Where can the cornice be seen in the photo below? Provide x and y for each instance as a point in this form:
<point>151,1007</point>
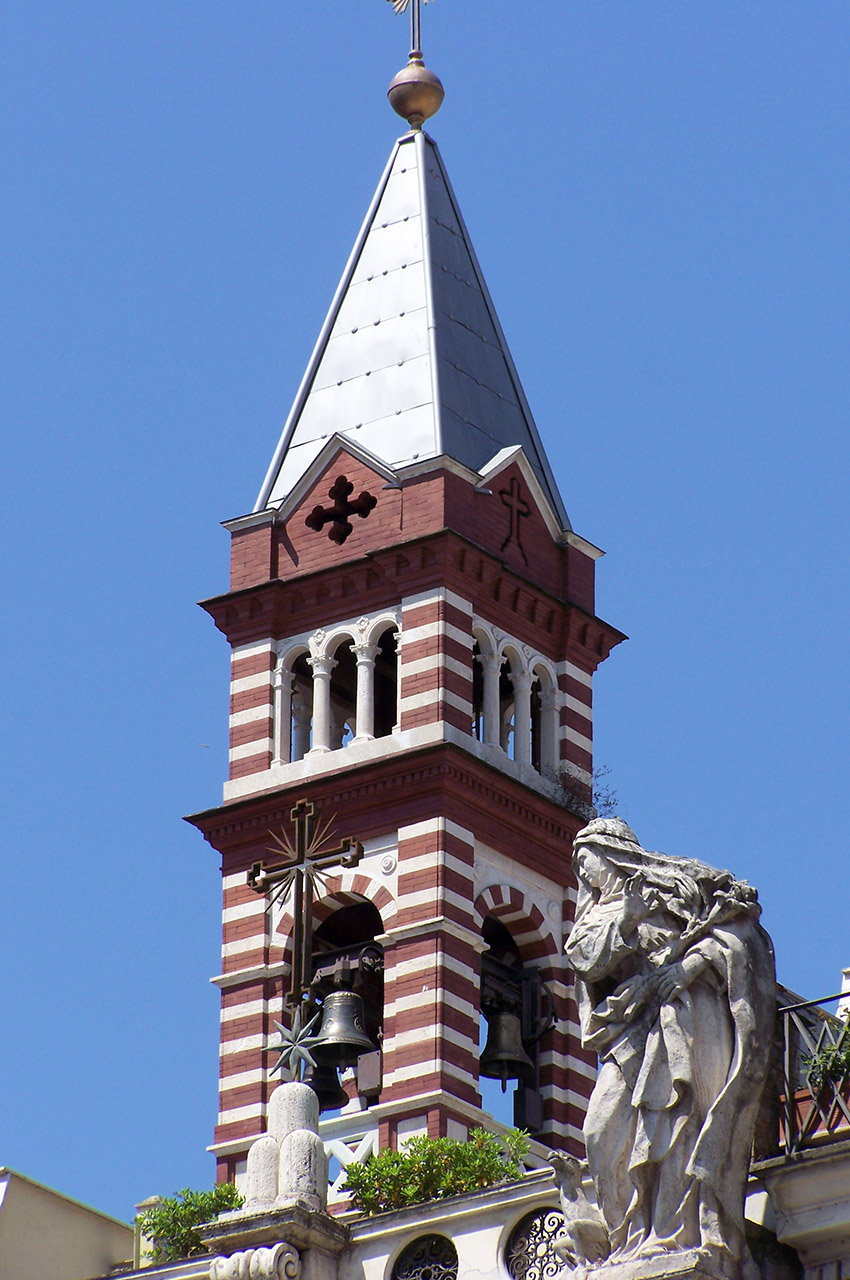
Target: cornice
<point>283,607</point>
<point>435,779</point>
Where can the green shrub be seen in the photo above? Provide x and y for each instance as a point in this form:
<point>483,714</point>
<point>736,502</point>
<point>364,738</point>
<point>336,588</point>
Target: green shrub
<point>432,1168</point>
<point>171,1223</point>
<point>829,1065</point>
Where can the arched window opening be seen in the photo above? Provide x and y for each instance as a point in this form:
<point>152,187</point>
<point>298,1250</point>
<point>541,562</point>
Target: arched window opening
<point>544,723</point>
<point>386,684</point>
<point>518,1011</point>
<point>301,709</point>
<point>346,957</point>
<point>507,737</point>
<point>536,724</point>
<point>343,697</point>
<point>477,693</point>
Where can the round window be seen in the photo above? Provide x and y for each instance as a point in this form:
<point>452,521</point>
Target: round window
<point>428,1258</point>
<point>529,1253</point>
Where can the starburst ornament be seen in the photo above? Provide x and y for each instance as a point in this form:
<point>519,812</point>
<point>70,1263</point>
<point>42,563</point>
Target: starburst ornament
<point>295,1045</point>
<point>401,6</point>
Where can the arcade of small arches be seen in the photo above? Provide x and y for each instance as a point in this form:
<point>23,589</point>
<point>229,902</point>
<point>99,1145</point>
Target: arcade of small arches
<point>515,700</point>
<point>342,686</point>
<point>336,687</point>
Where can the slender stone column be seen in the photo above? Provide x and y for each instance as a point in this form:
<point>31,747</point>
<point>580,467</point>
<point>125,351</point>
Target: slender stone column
<point>322,668</point>
<point>365,708</point>
<point>491,665</point>
<point>397,636</point>
<point>548,728</point>
<point>522,682</point>
<point>301,716</point>
<point>282,690</point>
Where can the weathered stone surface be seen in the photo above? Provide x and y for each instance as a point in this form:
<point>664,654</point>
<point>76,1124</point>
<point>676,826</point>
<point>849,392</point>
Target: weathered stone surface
<point>263,1161</point>
<point>676,988</point>
<point>293,1105</point>
<point>303,1175</point>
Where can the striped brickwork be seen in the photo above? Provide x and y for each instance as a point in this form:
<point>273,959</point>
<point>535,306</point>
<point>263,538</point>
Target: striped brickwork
<point>431,980</point>
<point>436,661</point>
<point>250,987</point>
<point>251,707</point>
<point>576,727</point>
<point>256,961</point>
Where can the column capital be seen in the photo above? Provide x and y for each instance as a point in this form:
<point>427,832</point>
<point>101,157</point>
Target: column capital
<point>365,651</point>
<point>321,664</point>
<point>522,681</point>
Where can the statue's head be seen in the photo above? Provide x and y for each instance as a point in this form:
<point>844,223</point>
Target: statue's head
<point>604,845</point>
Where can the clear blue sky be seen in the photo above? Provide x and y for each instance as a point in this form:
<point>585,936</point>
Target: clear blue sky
<point>658,195</point>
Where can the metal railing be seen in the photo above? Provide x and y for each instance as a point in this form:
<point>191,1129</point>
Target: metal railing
<point>815,1081</point>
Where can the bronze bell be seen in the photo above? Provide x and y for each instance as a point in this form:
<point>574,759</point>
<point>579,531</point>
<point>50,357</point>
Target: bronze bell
<point>503,1056</point>
<point>343,1035</point>
<point>324,1082</point>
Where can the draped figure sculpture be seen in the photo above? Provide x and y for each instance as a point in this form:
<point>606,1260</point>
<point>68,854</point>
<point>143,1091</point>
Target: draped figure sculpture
<point>675,987</point>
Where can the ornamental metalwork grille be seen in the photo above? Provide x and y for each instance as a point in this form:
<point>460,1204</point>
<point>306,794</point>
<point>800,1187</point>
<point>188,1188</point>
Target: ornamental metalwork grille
<point>428,1258</point>
<point>529,1253</point>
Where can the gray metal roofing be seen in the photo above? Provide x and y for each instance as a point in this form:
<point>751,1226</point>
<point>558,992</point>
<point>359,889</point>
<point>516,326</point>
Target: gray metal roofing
<point>411,362</point>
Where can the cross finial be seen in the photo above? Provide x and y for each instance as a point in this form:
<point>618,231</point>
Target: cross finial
<point>415,93</point>
<point>402,6</point>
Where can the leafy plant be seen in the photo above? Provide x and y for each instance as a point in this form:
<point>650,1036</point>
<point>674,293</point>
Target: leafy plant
<point>433,1168</point>
<point>171,1223</point>
<point>598,800</point>
<point>829,1065</point>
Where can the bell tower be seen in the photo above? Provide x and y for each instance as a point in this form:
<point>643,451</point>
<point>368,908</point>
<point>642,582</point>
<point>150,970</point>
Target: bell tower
<point>413,635</point>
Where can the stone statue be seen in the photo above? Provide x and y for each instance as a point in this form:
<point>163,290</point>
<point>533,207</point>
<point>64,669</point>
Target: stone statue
<point>675,987</point>
<point>584,1239</point>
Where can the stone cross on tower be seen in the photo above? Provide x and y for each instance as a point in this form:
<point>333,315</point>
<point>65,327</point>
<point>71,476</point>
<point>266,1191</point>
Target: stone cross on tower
<point>305,865</point>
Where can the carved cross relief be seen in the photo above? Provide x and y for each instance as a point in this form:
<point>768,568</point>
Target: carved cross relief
<point>337,515</point>
<point>519,510</point>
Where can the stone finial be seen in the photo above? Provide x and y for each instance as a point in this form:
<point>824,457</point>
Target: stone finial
<point>263,1162</point>
<point>293,1105</point>
<point>288,1165</point>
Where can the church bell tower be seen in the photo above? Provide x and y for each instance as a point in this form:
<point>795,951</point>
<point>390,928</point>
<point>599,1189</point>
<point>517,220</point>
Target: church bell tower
<point>413,635</point>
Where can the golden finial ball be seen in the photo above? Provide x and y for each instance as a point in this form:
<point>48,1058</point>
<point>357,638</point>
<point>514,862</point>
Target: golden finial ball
<point>416,93</point>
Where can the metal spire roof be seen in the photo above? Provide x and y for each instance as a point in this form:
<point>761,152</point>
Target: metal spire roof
<point>411,362</point>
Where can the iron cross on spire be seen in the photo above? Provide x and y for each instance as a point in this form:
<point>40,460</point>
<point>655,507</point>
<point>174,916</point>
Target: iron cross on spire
<point>305,867</point>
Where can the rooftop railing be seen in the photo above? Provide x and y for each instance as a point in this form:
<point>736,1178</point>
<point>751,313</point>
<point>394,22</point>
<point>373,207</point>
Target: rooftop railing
<point>814,1103</point>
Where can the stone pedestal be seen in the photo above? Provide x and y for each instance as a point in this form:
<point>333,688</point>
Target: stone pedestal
<point>316,1238</point>
<point>687,1264</point>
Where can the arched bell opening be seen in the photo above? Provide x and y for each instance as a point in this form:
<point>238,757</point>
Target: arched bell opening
<point>301,709</point>
<point>386,683</point>
<point>343,694</point>
<point>517,1008</point>
<point>348,980</point>
<point>477,693</point>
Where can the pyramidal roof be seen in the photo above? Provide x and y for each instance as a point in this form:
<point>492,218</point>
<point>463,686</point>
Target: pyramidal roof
<point>411,362</point>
